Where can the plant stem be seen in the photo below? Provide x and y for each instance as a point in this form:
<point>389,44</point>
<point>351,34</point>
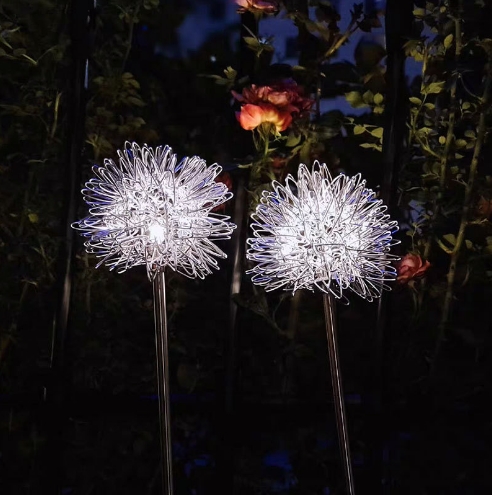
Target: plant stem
<point>130,36</point>
<point>351,29</point>
<point>266,149</point>
<point>449,139</point>
<point>465,212</point>
<point>318,94</point>
<point>444,157</point>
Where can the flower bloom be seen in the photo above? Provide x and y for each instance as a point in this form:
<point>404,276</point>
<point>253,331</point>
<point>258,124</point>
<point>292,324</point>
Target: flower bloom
<point>484,207</point>
<point>286,95</point>
<point>410,267</point>
<point>324,233</point>
<point>258,6</point>
<point>251,116</point>
<point>150,209</point>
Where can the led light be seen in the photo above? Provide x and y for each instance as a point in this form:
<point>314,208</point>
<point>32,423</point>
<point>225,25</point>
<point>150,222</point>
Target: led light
<point>151,210</point>
<point>157,233</point>
<point>319,232</point>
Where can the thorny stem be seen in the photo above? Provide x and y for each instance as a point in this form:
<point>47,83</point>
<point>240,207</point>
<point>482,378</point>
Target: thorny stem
<point>465,212</point>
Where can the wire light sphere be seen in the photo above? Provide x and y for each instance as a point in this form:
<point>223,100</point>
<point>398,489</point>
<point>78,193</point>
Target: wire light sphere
<point>151,210</point>
<point>322,233</point>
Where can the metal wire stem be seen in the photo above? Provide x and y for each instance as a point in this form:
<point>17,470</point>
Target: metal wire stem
<point>161,346</point>
<point>336,380</point>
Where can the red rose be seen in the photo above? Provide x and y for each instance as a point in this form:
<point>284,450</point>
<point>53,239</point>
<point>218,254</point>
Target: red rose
<point>484,207</point>
<point>286,96</point>
<point>410,267</point>
<point>258,6</point>
<point>251,116</point>
<point>224,178</point>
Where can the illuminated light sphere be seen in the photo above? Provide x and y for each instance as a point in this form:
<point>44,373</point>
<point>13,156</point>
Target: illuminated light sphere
<point>324,233</point>
<point>151,210</point>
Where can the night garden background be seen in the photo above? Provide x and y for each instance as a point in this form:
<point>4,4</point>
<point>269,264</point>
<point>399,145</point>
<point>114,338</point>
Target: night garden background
<point>397,91</point>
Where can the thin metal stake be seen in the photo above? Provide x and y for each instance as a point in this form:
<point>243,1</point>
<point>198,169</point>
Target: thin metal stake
<point>336,380</point>
<point>163,381</point>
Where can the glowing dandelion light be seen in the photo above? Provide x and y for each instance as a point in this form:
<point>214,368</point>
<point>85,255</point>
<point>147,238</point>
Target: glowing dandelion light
<point>327,234</point>
<point>151,210</point>
<point>324,233</point>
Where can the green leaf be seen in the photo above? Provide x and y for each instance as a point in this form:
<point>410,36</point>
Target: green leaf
<point>133,83</point>
<point>355,99</point>
<point>378,132</point>
<point>451,238</point>
<point>368,96</point>
<point>135,101</point>
<point>251,42</point>
<point>293,140</point>
<point>359,129</point>
<point>418,12</point>
<point>444,247</point>
<point>425,130</point>
<point>374,146</point>
<point>469,244</point>
<point>415,101</point>
<point>33,217</point>
<point>442,140</point>
<point>230,73</point>
<point>448,41</point>
<point>470,134</point>
<point>378,98</point>
<point>460,143</point>
<point>433,88</point>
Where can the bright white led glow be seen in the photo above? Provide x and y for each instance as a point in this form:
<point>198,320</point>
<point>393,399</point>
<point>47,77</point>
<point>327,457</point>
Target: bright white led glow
<point>151,210</point>
<point>319,232</point>
<point>157,233</point>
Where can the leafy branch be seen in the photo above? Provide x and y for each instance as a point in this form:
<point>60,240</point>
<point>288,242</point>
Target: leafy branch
<point>465,215</point>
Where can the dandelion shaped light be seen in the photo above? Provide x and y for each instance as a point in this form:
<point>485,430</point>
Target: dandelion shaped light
<point>324,233</point>
<point>151,210</point>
